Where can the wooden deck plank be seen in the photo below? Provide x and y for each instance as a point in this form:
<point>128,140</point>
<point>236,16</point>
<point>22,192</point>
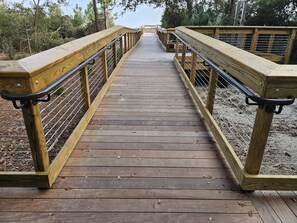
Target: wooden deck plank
<point>263,207</point>
<point>145,162</point>
<point>88,153</point>
<point>186,128</point>
<point>128,205</point>
<point>145,118</point>
<point>147,133</point>
<point>141,146</point>
<point>147,172</point>
<point>129,217</point>
<point>279,206</point>
<point>143,139</point>
<point>291,200</point>
<point>186,111</point>
<point>145,183</point>
<point>32,193</point>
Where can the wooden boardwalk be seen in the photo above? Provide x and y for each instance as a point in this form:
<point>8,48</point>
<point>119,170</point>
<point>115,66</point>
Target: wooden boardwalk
<point>146,156</point>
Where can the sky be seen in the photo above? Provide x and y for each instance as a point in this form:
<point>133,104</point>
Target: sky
<point>144,15</point>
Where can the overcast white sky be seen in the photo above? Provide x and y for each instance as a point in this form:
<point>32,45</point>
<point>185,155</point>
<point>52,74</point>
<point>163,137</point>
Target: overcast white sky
<point>144,15</point>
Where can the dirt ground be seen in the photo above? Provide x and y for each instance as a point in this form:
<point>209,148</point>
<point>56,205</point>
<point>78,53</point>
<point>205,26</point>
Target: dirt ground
<point>236,120</point>
<point>15,154</point>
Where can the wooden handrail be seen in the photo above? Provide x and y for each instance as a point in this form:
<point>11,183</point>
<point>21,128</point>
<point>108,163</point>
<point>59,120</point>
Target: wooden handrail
<point>90,62</point>
<point>268,79</point>
<point>251,32</point>
<point>31,74</point>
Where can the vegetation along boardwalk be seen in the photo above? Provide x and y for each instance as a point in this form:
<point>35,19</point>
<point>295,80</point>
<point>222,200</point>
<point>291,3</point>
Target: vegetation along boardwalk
<point>146,156</point>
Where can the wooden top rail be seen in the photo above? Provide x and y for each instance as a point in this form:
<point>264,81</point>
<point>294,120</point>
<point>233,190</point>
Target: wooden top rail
<point>274,43</point>
<point>235,29</point>
<point>281,30</point>
<point>34,73</point>
<point>266,78</point>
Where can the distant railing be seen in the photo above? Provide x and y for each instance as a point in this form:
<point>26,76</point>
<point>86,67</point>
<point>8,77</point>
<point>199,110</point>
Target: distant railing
<point>149,28</point>
<point>247,103</point>
<point>55,93</point>
<point>272,43</point>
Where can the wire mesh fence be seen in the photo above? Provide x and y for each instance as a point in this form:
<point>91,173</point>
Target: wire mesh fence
<point>266,43</point>
<point>61,115</point>
<point>96,76</point>
<point>234,117</point>
<point>110,56</point>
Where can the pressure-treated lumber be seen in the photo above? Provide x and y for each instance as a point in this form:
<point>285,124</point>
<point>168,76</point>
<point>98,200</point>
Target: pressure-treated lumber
<point>85,88</point>
<point>34,73</point>
<point>68,147</point>
<point>258,141</point>
<point>211,90</point>
<point>35,132</point>
<point>262,76</point>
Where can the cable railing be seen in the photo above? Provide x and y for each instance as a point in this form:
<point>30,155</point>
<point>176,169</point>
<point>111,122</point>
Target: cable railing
<point>248,103</point>
<point>51,117</point>
<point>272,43</point>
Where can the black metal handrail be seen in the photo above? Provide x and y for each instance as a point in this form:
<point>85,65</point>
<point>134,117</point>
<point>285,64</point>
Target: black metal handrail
<point>269,103</point>
<point>37,97</point>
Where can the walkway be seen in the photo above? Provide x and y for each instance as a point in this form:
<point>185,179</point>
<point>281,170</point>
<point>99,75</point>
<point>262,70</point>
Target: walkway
<point>146,156</point>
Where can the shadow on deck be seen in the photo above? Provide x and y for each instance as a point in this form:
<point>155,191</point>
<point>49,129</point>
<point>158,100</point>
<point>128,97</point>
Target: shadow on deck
<point>146,156</point>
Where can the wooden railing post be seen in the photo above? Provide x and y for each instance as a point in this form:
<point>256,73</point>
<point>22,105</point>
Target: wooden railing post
<point>258,141</point>
<point>217,33</point>
<point>176,48</point>
<point>270,44</point>
<point>193,68</point>
<point>183,59</point>
<point>242,41</point>
<point>35,132</point>
<point>167,40</point>
<point>290,46</point>
<point>128,41</point>
<point>212,86</point>
<point>125,43</point>
<point>85,88</point>
<point>115,53</point>
<point>104,66</point>
<point>254,42</point>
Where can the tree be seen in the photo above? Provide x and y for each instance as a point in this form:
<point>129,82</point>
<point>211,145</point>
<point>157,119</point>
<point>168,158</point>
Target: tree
<point>189,12</point>
<point>132,4</point>
<point>209,13</point>
<point>78,17</point>
<point>103,12</point>
<point>174,15</point>
<point>39,8</point>
<point>106,6</point>
<point>272,12</point>
<point>13,28</point>
<point>96,15</point>
<point>21,34</point>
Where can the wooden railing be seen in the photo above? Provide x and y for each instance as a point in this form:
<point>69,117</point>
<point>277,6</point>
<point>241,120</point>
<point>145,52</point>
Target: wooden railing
<point>57,91</point>
<point>223,80</point>
<point>272,43</point>
<point>149,28</point>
